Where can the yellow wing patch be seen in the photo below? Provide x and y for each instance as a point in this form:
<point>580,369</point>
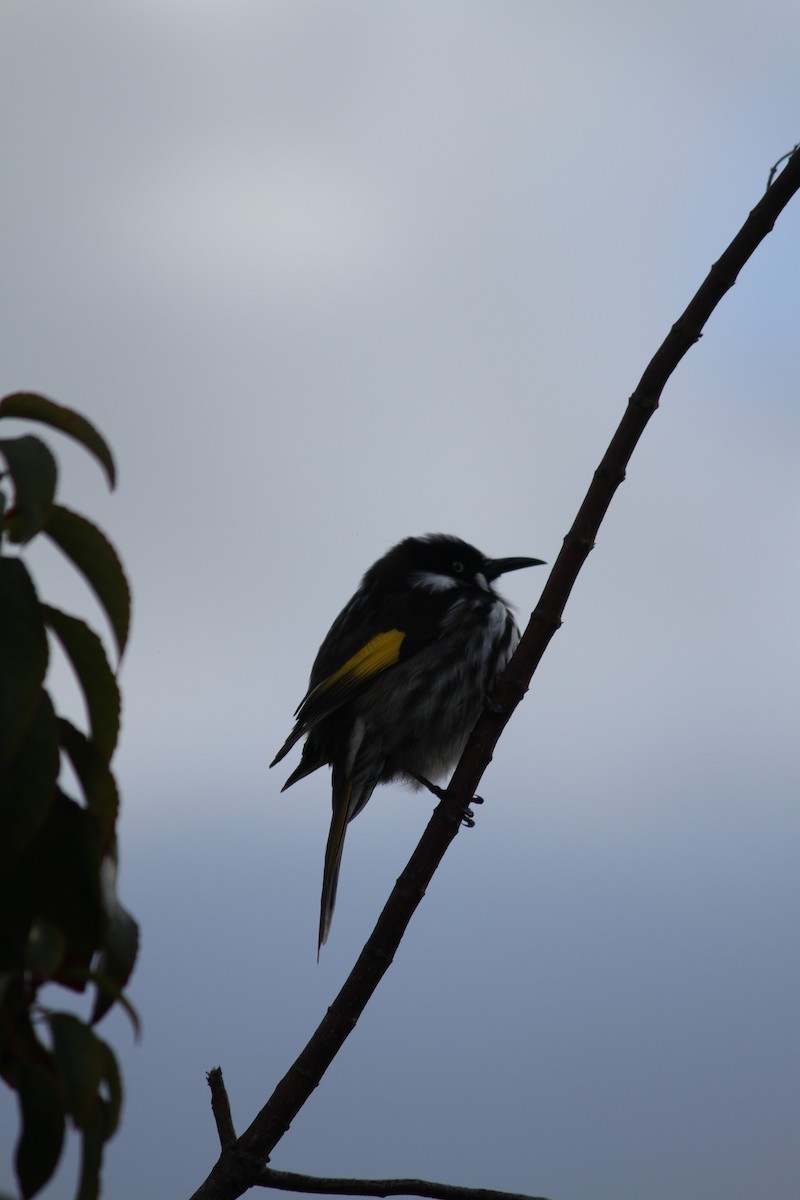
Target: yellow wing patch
<point>378,654</point>
<point>341,685</point>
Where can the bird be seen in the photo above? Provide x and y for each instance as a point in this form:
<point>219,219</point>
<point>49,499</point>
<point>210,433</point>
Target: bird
<point>401,678</point>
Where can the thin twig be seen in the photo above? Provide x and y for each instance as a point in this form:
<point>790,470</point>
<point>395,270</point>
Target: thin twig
<point>289,1181</point>
<point>774,168</point>
<point>220,1107</point>
<point>236,1169</point>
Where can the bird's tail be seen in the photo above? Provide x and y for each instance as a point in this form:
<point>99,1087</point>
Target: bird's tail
<point>348,800</point>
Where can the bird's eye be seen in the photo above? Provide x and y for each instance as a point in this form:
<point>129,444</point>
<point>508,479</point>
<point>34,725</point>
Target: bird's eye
<point>458,568</point>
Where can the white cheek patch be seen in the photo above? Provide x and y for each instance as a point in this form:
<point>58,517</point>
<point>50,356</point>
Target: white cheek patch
<point>431,581</point>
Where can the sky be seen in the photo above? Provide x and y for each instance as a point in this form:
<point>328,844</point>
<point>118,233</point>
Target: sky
<point>330,274</point>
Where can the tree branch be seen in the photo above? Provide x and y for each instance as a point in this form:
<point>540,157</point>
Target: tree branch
<point>242,1161</point>
<point>220,1107</point>
<point>288,1181</point>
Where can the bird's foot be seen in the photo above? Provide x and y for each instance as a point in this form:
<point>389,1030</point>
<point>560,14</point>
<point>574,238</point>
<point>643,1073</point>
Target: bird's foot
<point>468,818</point>
<point>467,815</point>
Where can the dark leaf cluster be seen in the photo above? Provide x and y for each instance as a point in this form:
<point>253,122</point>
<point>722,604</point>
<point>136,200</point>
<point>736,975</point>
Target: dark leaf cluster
<point>60,920</point>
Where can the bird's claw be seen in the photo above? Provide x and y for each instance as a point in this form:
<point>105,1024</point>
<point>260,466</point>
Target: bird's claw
<point>467,815</point>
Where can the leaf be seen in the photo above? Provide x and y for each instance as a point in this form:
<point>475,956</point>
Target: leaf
<point>97,560</point>
<point>39,1146</point>
<point>46,947</point>
<point>112,1103</point>
<point>33,407</point>
<point>23,653</point>
<point>96,779</point>
<point>79,1063</point>
<point>101,693</point>
<point>94,1137</point>
<point>115,996</point>
<point>56,877</point>
<point>28,781</point>
<point>10,995</point>
<point>33,469</point>
<point>116,963</point>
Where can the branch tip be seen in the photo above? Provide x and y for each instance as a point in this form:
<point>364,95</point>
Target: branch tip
<point>220,1107</point>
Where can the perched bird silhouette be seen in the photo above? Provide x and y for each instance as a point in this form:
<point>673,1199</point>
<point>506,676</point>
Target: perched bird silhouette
<point>402,677</point>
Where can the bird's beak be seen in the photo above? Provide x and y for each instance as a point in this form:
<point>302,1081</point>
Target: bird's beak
<point>496,567</point>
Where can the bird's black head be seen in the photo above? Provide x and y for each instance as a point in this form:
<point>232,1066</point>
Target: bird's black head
<point>439,562</point>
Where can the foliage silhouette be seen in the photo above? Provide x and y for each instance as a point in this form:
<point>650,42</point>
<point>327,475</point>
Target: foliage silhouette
<point>60,920</point>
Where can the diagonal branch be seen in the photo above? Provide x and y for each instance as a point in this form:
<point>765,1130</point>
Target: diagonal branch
<point>241,1162</point>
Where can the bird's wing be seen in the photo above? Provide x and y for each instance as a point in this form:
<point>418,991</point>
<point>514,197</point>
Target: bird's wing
<point>345,683</point>
<point>408,624</point>
<point>373,658</point>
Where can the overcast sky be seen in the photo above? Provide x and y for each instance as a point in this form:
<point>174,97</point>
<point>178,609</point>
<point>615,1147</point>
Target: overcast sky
<point>330,273</point>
